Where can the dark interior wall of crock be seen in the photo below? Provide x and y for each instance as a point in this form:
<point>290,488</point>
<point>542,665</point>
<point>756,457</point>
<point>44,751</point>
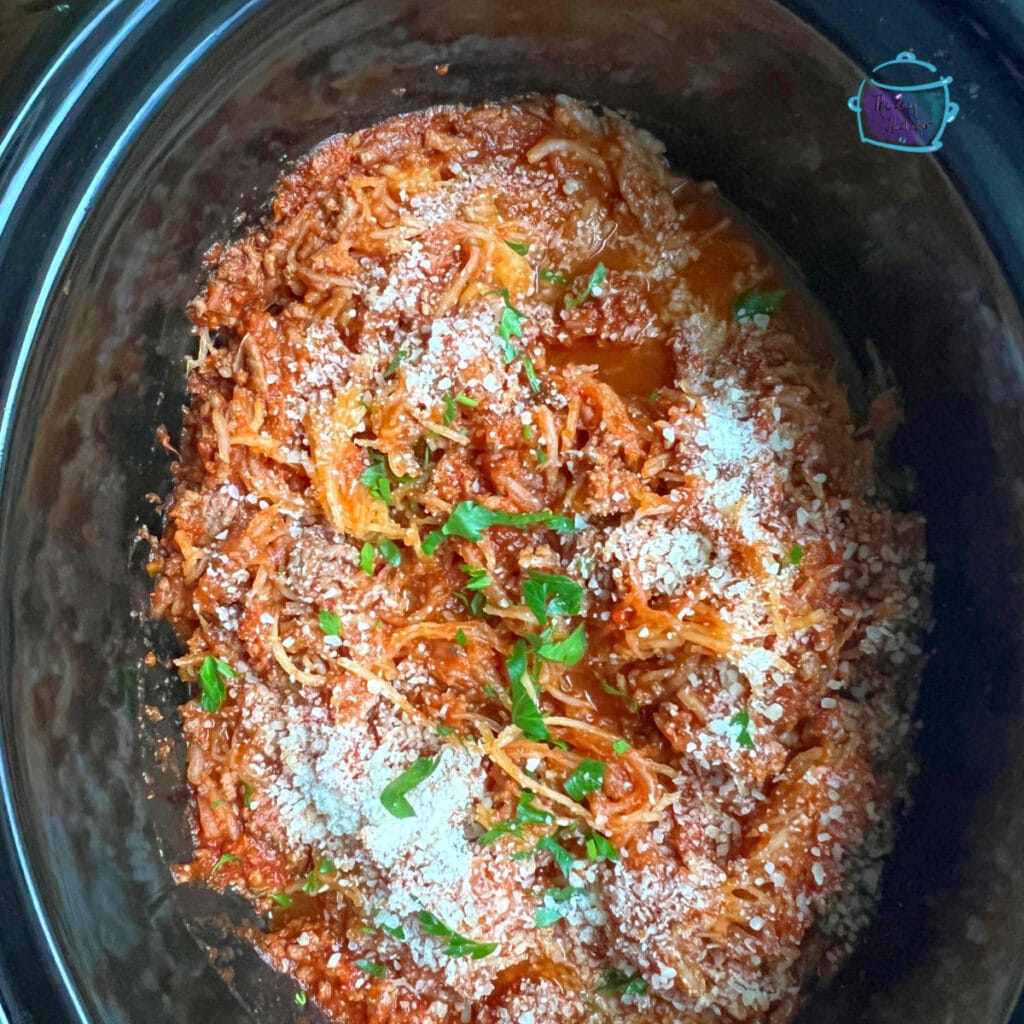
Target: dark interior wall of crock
<point>744,95</point>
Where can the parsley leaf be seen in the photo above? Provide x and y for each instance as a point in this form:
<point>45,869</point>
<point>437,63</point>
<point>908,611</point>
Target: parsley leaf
<point>393,796</point>
<point>525,712</point>
<point>796,554</point>
<point>596,279</point>
<point>213,675</point>
<point>395,931</point>
<point>554,905</point>
<point>399,357</point>
<point>472,403</point>
<point>600,847</point>
<point>562,857</point>
<point>330,624</point>
<point>548,594</point>
<point>282,899</point>
<point>300,998</point>
<point>542,457</point>
<point>443,730</point>
<point>457,945</point>
<point>224,858</point>
<point>247,794</point>
<point>377,970</point>
<point>588,777</point>
<point>460,638</point>
<point>366,556</point>
<point>619,983</point>
<point>620,691</point>
<point>451,410</point>
<point>620,747</point>
<point>519,248</point>
<point>469,519</point>
<point>479,578</point>
<point>743,737</point>
<point>755,303</point>
<point>377,478</point>
<point>526,814</point>
<point>390,552</point>
<point>531,374</point>
<point>551,276</point>
<point>568,651</point>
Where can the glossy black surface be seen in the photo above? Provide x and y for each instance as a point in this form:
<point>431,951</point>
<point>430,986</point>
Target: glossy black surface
<point>168,118</point>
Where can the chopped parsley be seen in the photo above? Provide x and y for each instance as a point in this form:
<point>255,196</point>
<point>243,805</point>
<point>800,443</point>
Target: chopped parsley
<point>377,970</point>
<point>399,357</point>
<point>247,795</point>
<point>755,303</point>
<point>618,983</point>
<point>330,624</point>
<point>377,478</point>
<point>596,279</point>
<point>620,747</point>
<point>526,814</point>
<point>460,638</point>
<point>479,578</point>
<point>588,777</point>
<point>743,737</point>
<point>366,556</point>
<point>562,857</point>
<point>525,712</point>
<point>551,276</point>
<point>300,998</point>
<point>547,594</point>
<point>554,905</point>
<point>395,931</point>
<point>443,730</point>
<point>282,899</point>
<point>796,554</point>
<point>390,552</point>
<point>531,374</point>
<point>451,410</point>
<point>224,858</point>
<point>568,651</point>
<point>469,520</point>
<point>527,432</point>
<point>213,676</point>
<point>542,456</point>
<point>393,796</point>
<point>620,691</point>
<point>456,945</point>
<point>519,248</point>
<point>474,603</point>
<point>600,847</point>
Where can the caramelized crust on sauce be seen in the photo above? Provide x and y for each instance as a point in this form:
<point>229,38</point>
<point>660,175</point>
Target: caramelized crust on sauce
<point>659,790</point>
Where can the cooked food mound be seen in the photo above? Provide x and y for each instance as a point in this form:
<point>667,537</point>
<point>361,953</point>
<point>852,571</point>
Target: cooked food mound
<point>554,653</point>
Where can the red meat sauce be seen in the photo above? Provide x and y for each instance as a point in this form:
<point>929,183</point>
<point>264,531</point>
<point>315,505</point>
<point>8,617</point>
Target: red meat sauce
<point>521,309</point>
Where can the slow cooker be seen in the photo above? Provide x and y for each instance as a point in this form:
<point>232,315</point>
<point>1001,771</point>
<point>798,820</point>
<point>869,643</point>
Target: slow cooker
<point>135,133</point>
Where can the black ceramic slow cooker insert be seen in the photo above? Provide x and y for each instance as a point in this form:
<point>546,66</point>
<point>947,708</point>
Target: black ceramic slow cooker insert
<point>133,133</point>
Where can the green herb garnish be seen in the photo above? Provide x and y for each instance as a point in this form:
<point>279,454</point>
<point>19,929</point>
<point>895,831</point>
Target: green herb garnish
<point>366,556</point>
<point>618,983</point>
<point>620,691</point>
<point>542,456</point>
<point>568,651</point>
<point>526,814</point>
<point>754,303</point>
<point>399,357</point>
<point>547,594</point>
<point>525,712</point>
<point>551,276</point>
<point>456,945</point>
<point>600,847</point>
<point>282,899</point>
<point>224,858</point>
<point>596,279</point>
<point>562,857</point>
<point>519,248</point>
<point>393,796</point>
<point>247,794</point>
<point>796,554</point>
<point>460,638</point>
<point>395,931</point>
<point>213,676</point>
<point>469,519</point>
<point>330,624</point>
<point>377,970</point>
<point>743,737</point>
<point>554,908</point>
<point>377,478</point>
<point>620,747</point>
<point>390,552</point>
<point>479,578</point>
<point>588,777</point>
<point>300,998</point>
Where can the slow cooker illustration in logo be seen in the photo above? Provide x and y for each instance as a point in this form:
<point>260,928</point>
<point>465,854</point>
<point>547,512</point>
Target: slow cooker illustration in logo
<point>904,104</point>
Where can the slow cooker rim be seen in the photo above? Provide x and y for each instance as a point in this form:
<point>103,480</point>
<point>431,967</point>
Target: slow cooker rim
<point>29,142</point>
